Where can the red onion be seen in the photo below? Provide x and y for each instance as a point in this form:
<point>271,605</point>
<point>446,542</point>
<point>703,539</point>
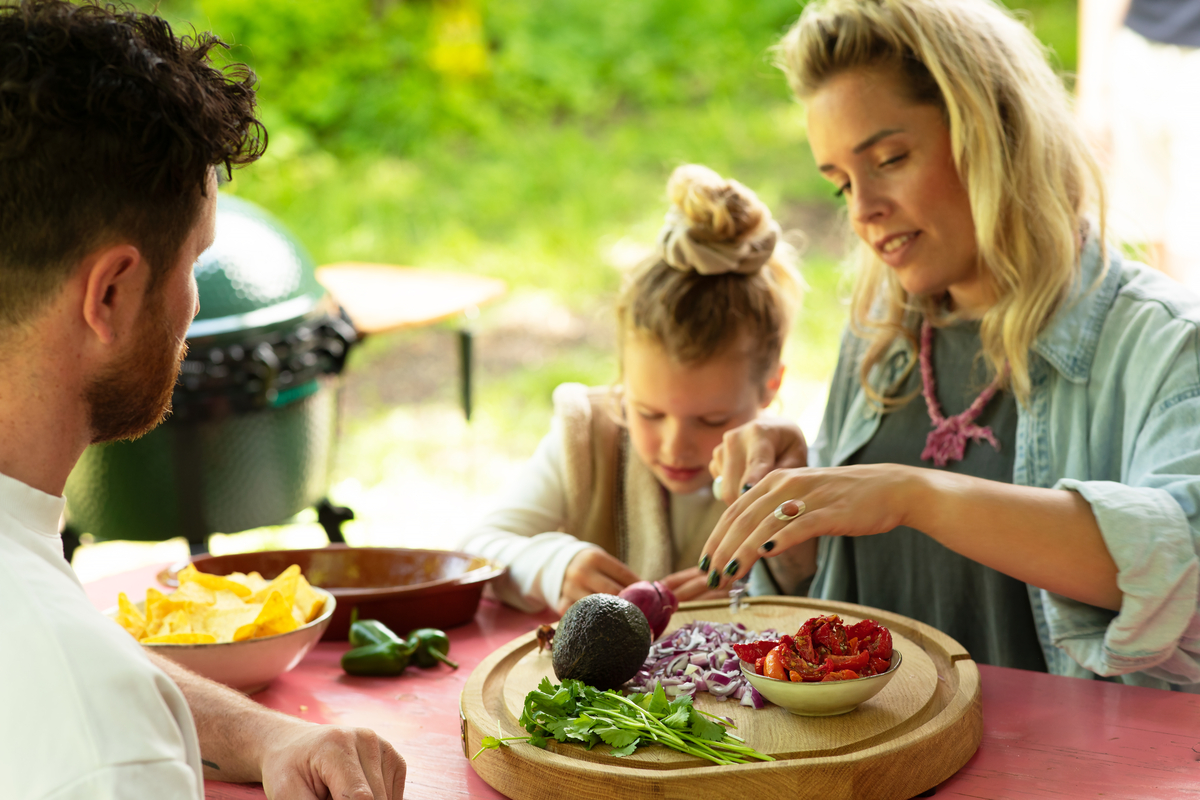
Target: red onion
<point>656,601</point>
<point>699,657</point>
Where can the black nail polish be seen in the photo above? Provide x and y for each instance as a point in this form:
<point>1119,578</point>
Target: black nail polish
<point>714,579</point>
<point>746,487</point>
<point>768,546</point>
<point>704,562</point>
<point>731,567</point>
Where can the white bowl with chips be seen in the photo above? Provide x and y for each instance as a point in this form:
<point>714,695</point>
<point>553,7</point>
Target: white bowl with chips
<point>821,699</point>
<point>251,664</point>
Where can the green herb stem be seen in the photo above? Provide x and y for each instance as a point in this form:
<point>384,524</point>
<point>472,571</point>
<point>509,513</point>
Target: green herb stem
<point>575,712</point>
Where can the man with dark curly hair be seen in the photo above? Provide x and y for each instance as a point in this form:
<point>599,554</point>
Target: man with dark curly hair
<point>111,132</point>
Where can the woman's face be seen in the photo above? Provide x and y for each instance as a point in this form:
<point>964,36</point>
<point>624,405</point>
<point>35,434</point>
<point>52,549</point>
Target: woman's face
<point>891,161</point>
<point>677,414</point>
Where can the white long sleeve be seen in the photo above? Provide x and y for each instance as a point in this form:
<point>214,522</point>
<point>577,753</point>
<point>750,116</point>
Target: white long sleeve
<point>523,532</point>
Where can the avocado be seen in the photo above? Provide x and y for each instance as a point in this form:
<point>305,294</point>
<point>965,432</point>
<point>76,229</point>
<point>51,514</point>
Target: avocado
<point>602,640</point>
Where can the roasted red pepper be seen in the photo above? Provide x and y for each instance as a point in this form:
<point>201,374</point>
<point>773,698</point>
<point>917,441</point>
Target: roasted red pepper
<point>773,664</point>
<point>752,652</point>
<point>873,637</point>
<point>823,649</point>
<point>804,647</point>
<point>832,637</point>
<point>855,662</point>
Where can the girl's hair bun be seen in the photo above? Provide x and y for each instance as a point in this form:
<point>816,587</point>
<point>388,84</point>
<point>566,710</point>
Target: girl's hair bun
<point>715,226</point>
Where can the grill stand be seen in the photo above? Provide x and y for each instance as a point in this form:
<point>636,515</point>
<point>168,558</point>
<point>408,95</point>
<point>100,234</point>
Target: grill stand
<point>331,518</point>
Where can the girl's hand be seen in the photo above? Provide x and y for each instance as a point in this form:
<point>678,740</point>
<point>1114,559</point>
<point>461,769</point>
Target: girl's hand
<point>593,571</point>
<point>748,452</point>
<point>841,501</point>
<point>691,584</point>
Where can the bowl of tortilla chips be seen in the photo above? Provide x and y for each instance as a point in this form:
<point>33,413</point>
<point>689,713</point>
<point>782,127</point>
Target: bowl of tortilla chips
<point>240,629</point>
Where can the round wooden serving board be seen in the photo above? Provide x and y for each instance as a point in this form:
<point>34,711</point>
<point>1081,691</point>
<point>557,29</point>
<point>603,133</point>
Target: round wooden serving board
<point>918,731</point>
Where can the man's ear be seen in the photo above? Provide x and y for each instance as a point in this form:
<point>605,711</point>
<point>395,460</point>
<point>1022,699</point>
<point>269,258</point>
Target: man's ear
<point>771,385</point>
<point>115,281</point>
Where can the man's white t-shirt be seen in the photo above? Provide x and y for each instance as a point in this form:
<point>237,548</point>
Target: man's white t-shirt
<point>83,712</point>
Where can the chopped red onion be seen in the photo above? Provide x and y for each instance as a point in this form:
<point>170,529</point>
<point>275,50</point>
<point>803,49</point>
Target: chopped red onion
<point>698,657</point>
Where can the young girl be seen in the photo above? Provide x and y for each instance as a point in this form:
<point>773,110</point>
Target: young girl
<point>1011,447</point>
<point>619,490</point>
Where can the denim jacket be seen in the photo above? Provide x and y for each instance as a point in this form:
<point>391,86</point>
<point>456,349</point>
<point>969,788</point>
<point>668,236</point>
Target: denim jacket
<point>1115,416</point>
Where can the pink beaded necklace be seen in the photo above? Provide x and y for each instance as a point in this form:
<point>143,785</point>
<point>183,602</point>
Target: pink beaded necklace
<point>948,439</point>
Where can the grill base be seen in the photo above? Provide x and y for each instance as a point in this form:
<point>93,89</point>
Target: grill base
<point>194,479</point>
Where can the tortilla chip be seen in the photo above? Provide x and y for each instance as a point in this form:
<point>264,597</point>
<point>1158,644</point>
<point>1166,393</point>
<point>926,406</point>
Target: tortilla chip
<point>158,608</point>
<point>275,618</point>
<point>224,623</point>
<point>284,583</point>
<point>222,608</point>
<point>190,574</point>
<point>252,580</point>
<point>308,605</point>
<point>130,618</point>
<point>181,638</point>
<point>196,593</point>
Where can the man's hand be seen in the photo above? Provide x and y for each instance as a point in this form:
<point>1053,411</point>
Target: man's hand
<point>313,762</point>
<point>749,452</point>
<point>244,742</point>
<point>593,571</point>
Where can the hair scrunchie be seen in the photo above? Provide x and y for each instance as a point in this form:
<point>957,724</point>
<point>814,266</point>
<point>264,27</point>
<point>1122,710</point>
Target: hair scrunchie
<point>681,250</point>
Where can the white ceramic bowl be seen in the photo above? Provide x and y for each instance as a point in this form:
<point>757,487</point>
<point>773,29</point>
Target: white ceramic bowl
<point>820,699</point>
<point>251,664</point>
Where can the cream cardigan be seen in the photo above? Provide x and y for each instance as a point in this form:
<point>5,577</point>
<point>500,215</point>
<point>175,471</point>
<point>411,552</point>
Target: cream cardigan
<point>586,487</point>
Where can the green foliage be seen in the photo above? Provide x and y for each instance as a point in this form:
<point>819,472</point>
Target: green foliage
<point>524,138</point>
<point>517,138</point>
<point>1055,23</point>
<point>384,77</point>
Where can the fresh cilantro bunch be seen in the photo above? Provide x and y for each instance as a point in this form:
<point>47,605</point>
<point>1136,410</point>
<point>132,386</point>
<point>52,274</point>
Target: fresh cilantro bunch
<point>576,712</point>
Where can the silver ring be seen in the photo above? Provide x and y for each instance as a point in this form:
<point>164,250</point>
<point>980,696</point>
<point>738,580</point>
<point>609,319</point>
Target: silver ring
<point>784,516</point>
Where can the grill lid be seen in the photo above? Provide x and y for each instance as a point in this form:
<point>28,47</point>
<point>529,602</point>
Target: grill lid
<point>255,275</point>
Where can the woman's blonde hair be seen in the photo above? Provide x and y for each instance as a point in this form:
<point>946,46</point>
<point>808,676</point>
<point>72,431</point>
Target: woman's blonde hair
<point>722,276</point>
<point>1026,168</point>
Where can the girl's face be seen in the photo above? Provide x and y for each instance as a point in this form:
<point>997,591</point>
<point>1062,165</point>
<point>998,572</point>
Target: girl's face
<point>891,161</point>
<point>677,414</point>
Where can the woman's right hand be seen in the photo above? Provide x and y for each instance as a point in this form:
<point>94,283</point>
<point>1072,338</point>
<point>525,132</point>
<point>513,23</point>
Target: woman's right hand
<point>749,452</point>
<point>593,571</point>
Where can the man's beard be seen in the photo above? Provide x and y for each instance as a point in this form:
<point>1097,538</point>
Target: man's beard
<point>134,395</point>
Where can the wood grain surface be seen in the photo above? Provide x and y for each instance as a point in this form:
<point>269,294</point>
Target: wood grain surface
<point>923,726</point>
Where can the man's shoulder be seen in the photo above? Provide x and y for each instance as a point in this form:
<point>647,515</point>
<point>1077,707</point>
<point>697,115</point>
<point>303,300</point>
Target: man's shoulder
<point>77,680</point>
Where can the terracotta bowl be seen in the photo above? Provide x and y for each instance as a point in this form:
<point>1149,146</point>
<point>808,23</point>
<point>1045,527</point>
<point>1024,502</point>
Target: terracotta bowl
<point>403,589</point>
<point>251,664</point>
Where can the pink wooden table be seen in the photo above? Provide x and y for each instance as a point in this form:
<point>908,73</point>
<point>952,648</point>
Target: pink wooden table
<point>1043,736</point>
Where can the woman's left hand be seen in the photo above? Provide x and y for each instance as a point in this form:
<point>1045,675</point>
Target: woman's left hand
<point>857,500</point>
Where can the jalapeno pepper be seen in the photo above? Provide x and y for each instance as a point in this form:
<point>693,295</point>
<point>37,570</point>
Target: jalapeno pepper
<point>378,651</point>
<point>429,647</point>
<point>386,659</point>
<point>370,631</point>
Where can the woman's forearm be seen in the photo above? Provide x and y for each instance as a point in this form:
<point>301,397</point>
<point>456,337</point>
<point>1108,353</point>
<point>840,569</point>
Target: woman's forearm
<point>1045,537</point>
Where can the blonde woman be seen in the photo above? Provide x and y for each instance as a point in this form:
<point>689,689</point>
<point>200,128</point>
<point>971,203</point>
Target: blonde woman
<point>619,490</point>
<point>1011,448</point>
